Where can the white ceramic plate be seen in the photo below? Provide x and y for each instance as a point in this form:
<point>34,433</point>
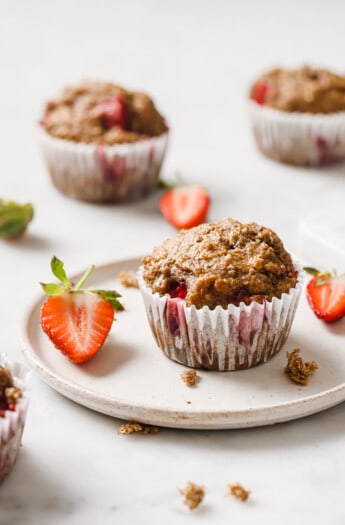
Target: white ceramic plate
<point>130,378</point>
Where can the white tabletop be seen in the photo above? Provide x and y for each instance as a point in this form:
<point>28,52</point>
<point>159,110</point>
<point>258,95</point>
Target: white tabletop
<point>196,59</point>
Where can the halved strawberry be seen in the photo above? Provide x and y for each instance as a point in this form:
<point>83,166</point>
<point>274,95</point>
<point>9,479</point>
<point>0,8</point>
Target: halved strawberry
<point>77,321</point>
<point>326,295</point>
<point>112,112</point>
<point>185,206</point>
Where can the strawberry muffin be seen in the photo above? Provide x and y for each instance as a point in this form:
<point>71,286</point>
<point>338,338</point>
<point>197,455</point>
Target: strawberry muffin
<point>103,143</point>
<point>221,295</point>
<point>298,116</point>
<point>13,406</point>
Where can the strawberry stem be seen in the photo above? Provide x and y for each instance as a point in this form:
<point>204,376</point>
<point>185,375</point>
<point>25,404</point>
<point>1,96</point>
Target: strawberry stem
<point>85,277</point>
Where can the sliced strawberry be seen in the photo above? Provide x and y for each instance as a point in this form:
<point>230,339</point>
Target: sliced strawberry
<point>112,112</point>
<point>326,296</point>
<point>259,92</point>
<point>77,321</point>
<point>185,206</point>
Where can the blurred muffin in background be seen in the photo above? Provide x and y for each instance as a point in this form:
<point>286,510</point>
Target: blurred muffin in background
<point>103,143</point>
<point>298,116</point>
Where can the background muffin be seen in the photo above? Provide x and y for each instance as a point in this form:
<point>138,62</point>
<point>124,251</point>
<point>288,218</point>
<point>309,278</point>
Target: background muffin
<point>221,295</point>
<point>298,115</point>
<point>103,143</point>
<point>13,406</point>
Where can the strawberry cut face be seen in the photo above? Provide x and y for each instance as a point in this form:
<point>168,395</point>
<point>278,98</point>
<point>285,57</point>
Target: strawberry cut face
<point>185,206</point>
<point>326,296</point>
<point>77,323</point>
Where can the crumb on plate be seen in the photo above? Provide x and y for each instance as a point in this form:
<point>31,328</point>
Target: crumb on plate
<point>193,495</point>
<point>297,369</point>
<point>238,491</point>
<point>128,279</point>
<point>190,377</point>
<point>131,428</point>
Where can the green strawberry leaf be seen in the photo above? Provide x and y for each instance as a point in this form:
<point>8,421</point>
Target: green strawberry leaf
<point>14,218</point>
<point>57,268</point>
<point>52,288</point>
<point>311,271</point>
<point>111,297</point>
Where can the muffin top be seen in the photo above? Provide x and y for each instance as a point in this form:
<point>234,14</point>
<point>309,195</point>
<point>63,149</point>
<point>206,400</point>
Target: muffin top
<point>305,90</point>
<point>9,394</point>
<point>221,263</point>
<point>102,113</point>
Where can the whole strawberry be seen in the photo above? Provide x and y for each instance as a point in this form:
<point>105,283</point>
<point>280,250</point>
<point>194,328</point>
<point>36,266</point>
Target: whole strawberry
<point>77,320</point>
<point>326,295</point>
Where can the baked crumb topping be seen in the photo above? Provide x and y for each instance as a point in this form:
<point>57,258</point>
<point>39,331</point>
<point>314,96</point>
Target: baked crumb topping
<point>193,495</point>
<point>190,377</point>
<point>238,492</point>
<point>131,428</point>
<point>102,113</point>
<point>221,263</point>
<point>128,280</point>
<point>299,370</point>
<point>9,394</point>
<point>306,89</point>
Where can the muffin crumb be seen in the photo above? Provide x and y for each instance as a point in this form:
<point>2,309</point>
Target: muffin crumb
<point>297,369</point>
<point>190,377</point>
<point>128,280</point>
<point>238,491</point>
<point>131,428</point>
<point>193,495</point>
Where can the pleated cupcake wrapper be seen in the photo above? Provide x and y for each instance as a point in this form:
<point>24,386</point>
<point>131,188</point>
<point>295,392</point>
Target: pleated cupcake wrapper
<point>12,424</point>
<point>301,139</point>
<point>237,338</point>
<point>101,173</point>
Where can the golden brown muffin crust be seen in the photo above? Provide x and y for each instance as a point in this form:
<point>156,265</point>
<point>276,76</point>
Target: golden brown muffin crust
<point>221,263</point>
<point>305,89</point>
<point>74,115</point>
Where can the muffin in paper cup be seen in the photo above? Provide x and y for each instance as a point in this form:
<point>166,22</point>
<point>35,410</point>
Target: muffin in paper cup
<point>103,143</point>
<point>101,173</point>
<point>239,337</point>
<point>298,115</point>
<point>12,421</point>
<point>299,139</point>
<point>222,295</point>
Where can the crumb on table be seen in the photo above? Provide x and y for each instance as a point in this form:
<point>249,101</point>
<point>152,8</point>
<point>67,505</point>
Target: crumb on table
<point>128,279</point>
<point>190,377</point>
<point>131,428</point>
<point>193,495</point>
<point>297,369</point>
<point>238,491</point>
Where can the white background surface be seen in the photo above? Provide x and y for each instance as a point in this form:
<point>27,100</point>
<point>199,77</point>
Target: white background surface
<point>196,59</point>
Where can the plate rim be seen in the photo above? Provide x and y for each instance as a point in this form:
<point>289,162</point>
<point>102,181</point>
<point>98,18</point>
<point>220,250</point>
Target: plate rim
<point>299,407</point>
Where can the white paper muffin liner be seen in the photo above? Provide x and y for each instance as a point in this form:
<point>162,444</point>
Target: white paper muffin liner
<point>102,173</point>
<point>237,338</point>
<point>301,139</point>
<point>12,424</point>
